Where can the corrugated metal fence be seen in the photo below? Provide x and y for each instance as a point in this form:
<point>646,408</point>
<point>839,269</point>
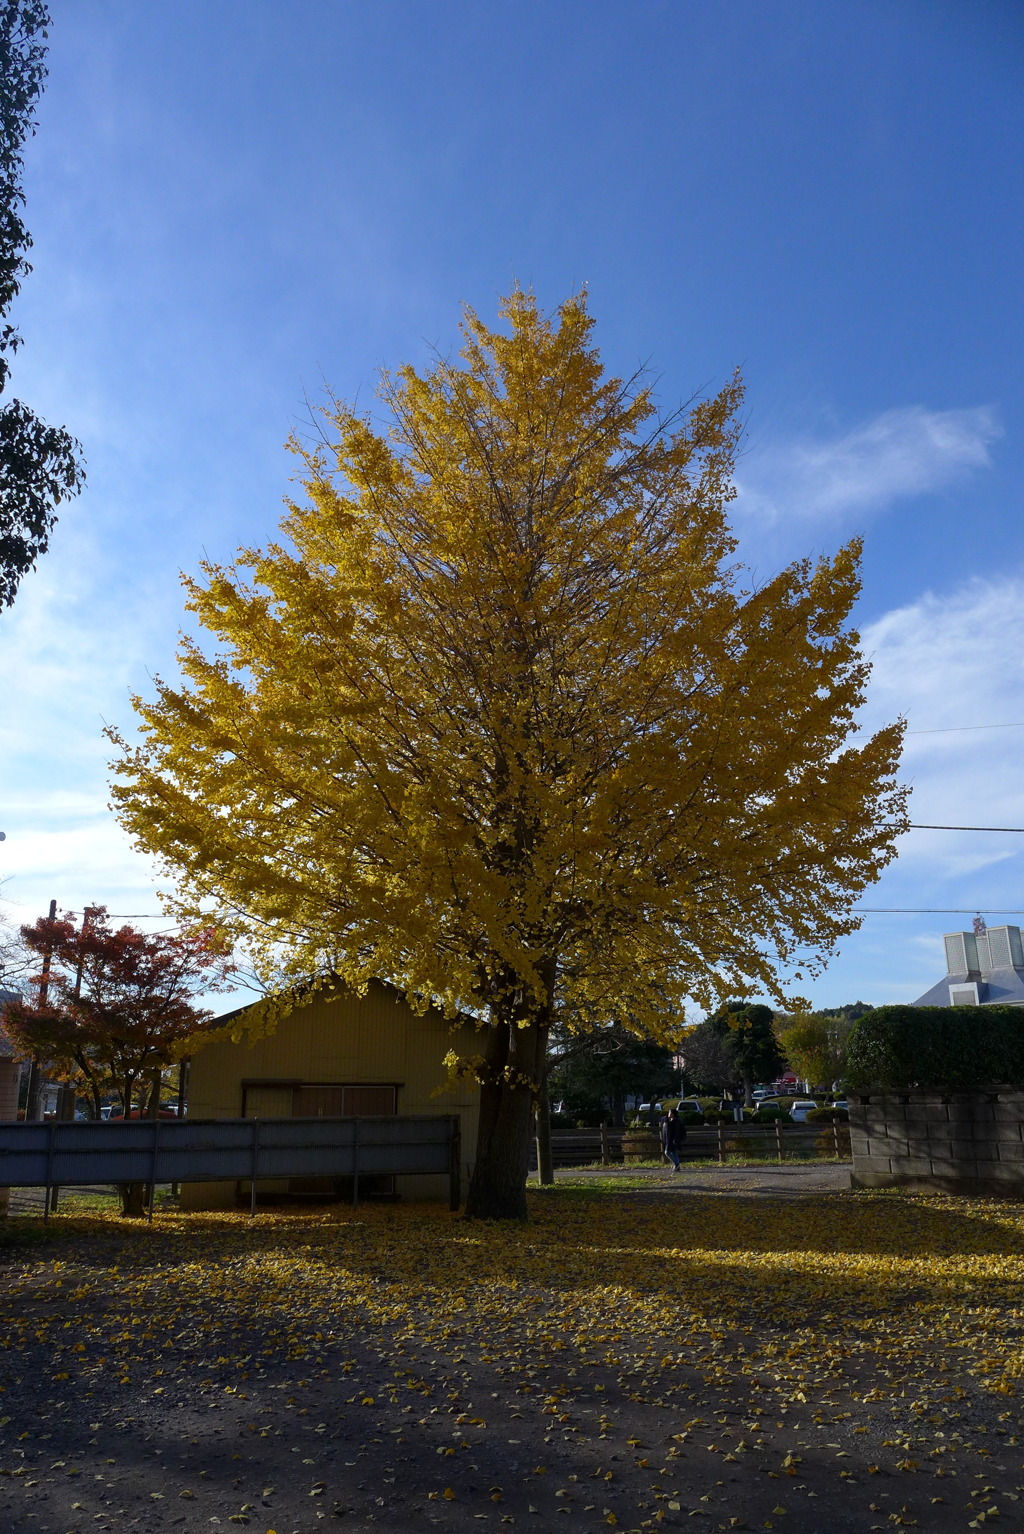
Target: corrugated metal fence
<point>55,1154</point>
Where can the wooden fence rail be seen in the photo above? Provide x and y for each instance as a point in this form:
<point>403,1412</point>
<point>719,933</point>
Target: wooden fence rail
<point>592,1147</point>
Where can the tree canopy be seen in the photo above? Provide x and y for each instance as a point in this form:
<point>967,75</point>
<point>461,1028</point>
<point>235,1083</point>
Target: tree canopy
<point>815,1042</point>
<point>707,1063</point>
<point>39,464</point>
<point>592,1073</point>
<point>500,721</point>
<point>747,1034</point>
<point>109,1008</point>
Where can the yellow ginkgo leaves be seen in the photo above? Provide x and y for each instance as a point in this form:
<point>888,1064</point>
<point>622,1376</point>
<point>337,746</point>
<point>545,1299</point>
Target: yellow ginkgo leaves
<point>847,1344</point>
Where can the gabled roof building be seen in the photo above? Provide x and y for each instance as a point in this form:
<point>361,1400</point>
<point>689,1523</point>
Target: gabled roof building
<point>338,1055</point>
<point>983,969</point>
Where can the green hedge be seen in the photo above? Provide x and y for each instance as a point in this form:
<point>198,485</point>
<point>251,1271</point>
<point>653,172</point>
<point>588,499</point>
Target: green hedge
<point>894,1048</point>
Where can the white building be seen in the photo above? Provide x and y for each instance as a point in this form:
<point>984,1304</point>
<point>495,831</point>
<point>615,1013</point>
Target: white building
<point>983,969</point>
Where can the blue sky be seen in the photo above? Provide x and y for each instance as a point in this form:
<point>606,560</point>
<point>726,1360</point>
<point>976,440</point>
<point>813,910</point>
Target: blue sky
<point>235,200</point>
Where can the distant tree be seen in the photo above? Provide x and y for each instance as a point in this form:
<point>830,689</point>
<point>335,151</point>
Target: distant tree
<point>115,1007</point>
<point>39,464</point>
<point>748,1040</point>
<point>594,1072</point>
<point>815,1042</point>
<point>705,1058</point>
<point>14,959</point>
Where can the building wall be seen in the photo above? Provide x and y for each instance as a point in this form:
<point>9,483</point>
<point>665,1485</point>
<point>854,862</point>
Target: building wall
<point>374,1039</point>
<point>953,1142</point>
<point>10,1076</point>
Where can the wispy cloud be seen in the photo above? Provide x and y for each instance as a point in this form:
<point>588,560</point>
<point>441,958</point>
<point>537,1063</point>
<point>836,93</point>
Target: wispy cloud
<point>948,662</point>
<point>900,453</point>
<point>78,637</point>
<point>945,661</point>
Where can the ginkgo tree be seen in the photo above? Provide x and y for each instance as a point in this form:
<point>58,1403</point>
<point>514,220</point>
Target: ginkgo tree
<point>499,719</point>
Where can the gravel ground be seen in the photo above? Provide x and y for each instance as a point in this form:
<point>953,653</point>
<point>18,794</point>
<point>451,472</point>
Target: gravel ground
<point>375,1371</point>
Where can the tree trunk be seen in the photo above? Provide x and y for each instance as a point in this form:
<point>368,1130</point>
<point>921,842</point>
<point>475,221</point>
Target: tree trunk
<point>545,1166</point>
<point>133,1199</point>
<point>34,1101</point>
<point>155,1088</point>
<point>618,1108</point>
<point>748,1090</point>
<point>135,1195</point>
<point>512,1073</point>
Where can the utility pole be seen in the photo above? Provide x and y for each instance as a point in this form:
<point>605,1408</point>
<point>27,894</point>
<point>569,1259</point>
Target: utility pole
<point>67,1095</point>
<point>34,1103</point>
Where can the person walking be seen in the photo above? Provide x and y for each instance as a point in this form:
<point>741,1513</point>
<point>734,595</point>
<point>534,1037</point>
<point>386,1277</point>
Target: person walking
<point>673,1133</point>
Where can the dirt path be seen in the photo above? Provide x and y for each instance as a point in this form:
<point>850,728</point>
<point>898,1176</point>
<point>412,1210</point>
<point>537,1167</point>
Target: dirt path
<point>399,1370</point>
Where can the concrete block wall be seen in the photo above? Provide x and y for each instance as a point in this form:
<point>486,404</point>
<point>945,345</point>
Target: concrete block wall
<point>952,1142</point>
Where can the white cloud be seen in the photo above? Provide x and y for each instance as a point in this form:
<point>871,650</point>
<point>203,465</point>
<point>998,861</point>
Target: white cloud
<point>951,661</point>
<point>945,661</point>
<point>73,644</point>
<point>950,664</point>
<point>897,454</point>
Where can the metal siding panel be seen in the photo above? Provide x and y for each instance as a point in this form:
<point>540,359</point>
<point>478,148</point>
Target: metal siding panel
<point>185,1150</point>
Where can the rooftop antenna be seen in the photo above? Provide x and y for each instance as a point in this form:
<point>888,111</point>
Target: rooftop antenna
<point>979,926</point>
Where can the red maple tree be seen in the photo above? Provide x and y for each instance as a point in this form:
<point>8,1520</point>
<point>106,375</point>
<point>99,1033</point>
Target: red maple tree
<point>109,1010</point>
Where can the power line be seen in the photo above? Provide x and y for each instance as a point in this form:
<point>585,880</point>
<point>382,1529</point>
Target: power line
<point>1018,830</point>
<point>930,910</point>
<point>955,729</point>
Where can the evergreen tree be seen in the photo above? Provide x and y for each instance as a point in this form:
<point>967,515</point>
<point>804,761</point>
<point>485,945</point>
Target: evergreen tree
<point>748,1039</point>
<point>596,1071</point>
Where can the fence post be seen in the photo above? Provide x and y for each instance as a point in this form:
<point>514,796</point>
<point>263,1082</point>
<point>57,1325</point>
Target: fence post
<point>152,1167</point>
<point>50,1131</point>
<point>455,1186</point>
<point>721,1147</point>
<point>355,1162</point>
<point>606,1157</point>
<point>65,1111</point>
<point>542,1121</point>
<point>255,1162</point>
<point>778,1140</point>
<point>835,1136</point>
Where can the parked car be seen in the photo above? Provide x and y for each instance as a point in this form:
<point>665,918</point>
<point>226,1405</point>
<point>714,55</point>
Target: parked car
<point>687,1107</point>
<point>690,1106</point>
<point>770,1100</point>
<point>800,1108</point>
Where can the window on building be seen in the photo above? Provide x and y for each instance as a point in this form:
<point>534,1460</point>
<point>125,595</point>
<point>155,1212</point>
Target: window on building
<point>344,1101</point>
